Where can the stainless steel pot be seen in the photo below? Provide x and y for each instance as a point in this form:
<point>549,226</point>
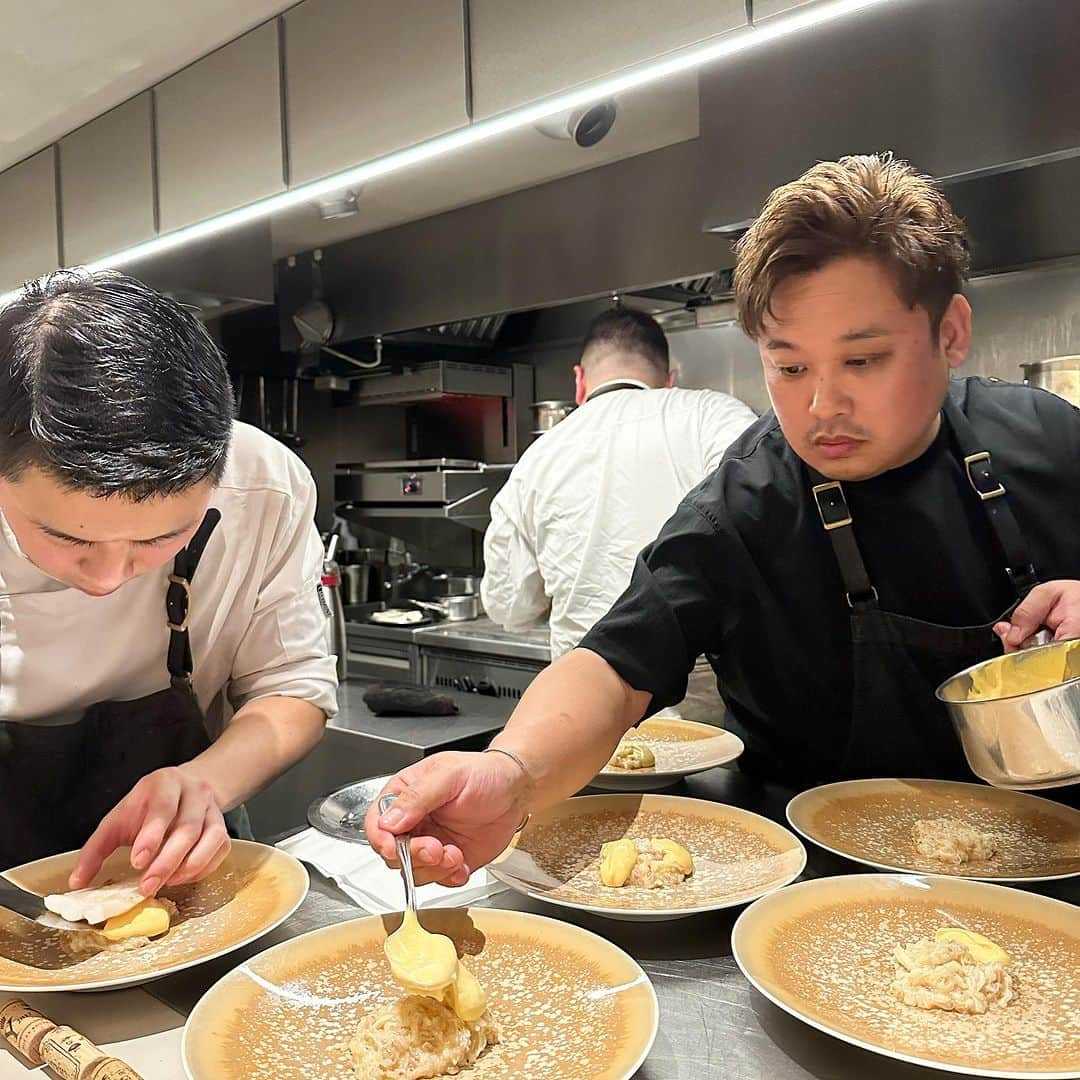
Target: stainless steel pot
<point>550,413</point>
<point>454,584</point>
<point>453,608</point>
<point>1023,741</point>
<point>1061,374</point>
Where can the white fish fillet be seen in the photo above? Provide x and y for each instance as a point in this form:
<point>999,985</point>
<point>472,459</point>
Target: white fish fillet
<point>97,905</point>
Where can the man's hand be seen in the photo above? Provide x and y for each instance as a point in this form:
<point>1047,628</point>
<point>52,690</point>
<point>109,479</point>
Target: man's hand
<point>175,828</point>
<point>1054,604</point>
<point>460,809</point>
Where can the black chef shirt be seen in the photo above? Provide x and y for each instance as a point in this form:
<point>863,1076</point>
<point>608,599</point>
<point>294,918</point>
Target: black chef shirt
<point>744,571</point>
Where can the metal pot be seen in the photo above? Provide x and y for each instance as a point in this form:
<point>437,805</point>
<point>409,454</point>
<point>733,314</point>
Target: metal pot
<point>454,584</point>
<point>453,608</point>
<point>1060,374</point>
<point>550,413</point>
<point>1022,741</point>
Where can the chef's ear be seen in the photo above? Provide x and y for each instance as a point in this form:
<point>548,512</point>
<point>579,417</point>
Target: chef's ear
<point>954,331</point>
<point>579,384</point>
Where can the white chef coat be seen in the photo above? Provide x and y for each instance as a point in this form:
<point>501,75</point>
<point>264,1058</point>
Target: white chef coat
<point>257,625</point>
<point>589,494</point>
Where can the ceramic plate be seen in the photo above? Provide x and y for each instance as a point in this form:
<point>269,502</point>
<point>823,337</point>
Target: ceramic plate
<point>567,1004</point>
<point>681,748</point>
<point>254,890</point>
<point>870,821</point>
<point>737,855</point>
<point>821,950</point>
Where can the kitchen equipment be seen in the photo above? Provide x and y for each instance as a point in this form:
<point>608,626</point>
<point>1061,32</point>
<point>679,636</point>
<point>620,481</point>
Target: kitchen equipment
<point>25,904</point>
<point>401,842</point>
<point>25,940</point>
<point>454,584</point>
<point>1022,740</point>
<point>546,414</point>
<point>342,813</point>
<point>460,608</point>
<point>335,608</point>
<point>448,489</point>
<point>1060,374</point>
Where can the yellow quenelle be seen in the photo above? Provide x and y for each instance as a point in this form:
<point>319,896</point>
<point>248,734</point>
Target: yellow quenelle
<point>426,963</point>
<point>617,859</point>
<point>148,919</point>
<point>982,949</point>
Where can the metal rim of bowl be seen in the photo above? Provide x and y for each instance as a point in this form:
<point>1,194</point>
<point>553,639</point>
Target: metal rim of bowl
<point>939,693</point>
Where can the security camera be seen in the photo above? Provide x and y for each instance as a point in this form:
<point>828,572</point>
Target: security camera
<point>586,125</point>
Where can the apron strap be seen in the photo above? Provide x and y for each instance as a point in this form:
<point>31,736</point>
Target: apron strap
<point>836,517</point>
<point>178,600</point>
<point>980,474</point>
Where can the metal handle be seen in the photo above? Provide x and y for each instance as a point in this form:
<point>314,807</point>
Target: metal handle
<point>403,856</point>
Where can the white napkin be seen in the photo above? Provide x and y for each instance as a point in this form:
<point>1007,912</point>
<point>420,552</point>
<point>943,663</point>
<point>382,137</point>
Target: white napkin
<point>369,882</point>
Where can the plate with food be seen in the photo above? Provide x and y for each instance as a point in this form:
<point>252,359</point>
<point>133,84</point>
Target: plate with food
<point>957,975</point>
<point>530,998</point>
<point>662,750</point>
<point>123,941</point>
<point>649,857</point>
<point>942,827</point>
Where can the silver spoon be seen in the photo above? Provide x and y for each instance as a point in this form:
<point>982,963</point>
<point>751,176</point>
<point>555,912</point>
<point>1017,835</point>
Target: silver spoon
<point>404,856</point>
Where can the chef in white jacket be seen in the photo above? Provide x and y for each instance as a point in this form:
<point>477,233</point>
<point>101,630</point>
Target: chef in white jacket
<point>162,643</point>
<point>588,495</point>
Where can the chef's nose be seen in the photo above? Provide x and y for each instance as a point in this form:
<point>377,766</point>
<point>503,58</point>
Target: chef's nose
<point>107,566</point>
<point>829,399</point>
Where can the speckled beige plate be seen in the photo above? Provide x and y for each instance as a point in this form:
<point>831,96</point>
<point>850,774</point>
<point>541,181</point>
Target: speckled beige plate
<point>821,950</point>
<point>254,890</point>
<point>681,748</point>
<point>568,1004</point>
<point>870,821</point>
<point>738,856</point>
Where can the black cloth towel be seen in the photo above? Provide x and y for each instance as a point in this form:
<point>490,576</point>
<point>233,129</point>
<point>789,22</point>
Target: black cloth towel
<point>408,701</point>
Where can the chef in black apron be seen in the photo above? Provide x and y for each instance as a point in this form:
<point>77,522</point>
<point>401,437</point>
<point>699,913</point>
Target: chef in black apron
<point>61,775</point>
<point>865,541</point>
<point>120,461</point>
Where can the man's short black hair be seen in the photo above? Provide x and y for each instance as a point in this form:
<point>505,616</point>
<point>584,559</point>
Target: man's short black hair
<point>631,332</point>
<point>110,387</point>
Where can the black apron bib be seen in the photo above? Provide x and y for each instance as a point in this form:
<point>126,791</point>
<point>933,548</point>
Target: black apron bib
<point>898,727</point>
<point>60,775</point>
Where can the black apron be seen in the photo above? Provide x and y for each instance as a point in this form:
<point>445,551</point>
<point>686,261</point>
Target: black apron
<point>60,775</point>
<point>898,727</point>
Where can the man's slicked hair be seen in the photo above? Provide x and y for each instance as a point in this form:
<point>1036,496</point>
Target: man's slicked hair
<point>111,388</point>
<point>873,206</point>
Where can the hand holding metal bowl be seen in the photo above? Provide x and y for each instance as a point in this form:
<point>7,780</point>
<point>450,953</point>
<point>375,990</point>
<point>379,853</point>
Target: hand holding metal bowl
<point>1018,716</point>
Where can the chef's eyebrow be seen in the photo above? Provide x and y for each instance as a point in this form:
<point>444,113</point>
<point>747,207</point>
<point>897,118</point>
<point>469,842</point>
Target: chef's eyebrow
<point>60,535</point>
<point>864,333</point>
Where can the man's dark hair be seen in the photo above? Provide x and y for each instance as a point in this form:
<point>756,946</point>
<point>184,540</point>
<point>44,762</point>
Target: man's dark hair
<point>110,387</point>
<point>631,332</point>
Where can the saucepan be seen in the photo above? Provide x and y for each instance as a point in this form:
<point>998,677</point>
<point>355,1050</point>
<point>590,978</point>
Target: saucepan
<point>550,413</point>
<point>1018,716</point>
<point>458,608</point>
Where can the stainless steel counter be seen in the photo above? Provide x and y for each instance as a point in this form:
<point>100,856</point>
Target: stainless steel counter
<point>484,636</point>
<point>358,744</point>
<point>713,1024</point>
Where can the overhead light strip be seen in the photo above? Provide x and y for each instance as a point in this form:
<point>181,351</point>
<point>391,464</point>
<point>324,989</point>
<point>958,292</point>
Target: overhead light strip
<point>483,130</point>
